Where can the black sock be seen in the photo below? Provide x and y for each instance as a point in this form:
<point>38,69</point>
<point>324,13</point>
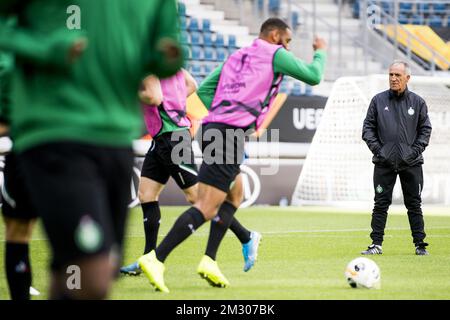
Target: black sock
<point>240,231</point>
<point>219,227</point>
<point>18,270</point>
<point>185,225</point>
<point>152,215</point>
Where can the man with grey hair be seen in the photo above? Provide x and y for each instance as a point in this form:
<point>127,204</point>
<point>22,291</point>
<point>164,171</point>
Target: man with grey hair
<point>397,130</point>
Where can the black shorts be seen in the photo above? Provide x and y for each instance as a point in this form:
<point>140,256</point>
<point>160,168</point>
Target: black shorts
<point>223,153</point>
<point>16,202</point>
<point>171,156</point>
<point>81,193</point>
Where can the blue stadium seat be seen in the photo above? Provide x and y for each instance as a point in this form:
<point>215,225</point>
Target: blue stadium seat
<point>284,88</point>
<point>181,9</point>
<point>308,90</point>
<point>423,7</point>
<point>435,21</point>
<point>295,20</point>
<point>439,8</point>
<point>183,23</point>
<point>196,69</point>
<point>417,19</point>
<point>406,7</point>
<point>196,53</point>
<point>196,38</point>
<point>186,51</point>
<point>207,39</point>
<point>193,25</point>
<point>219,40</point>
<point>387,6</point>
<point>274,6</point>
<point>208,69</point>
<point>185,38</point>
<point>221,54</point>
<point>355,9</point>
<point>296,89</point>
<point>403,19</point>
<point>206,25</point>
<point>448,21</point>
<point>209,54</point>
<point>232,41</point>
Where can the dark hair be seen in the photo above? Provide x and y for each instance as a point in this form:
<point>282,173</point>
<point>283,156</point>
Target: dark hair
<point>273,24</point>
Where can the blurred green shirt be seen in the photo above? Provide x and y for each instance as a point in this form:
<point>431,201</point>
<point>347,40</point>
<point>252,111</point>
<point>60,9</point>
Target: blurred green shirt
<point>95,99</point>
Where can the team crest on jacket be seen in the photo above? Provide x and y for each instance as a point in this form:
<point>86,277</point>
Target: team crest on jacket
<point>411,111</point>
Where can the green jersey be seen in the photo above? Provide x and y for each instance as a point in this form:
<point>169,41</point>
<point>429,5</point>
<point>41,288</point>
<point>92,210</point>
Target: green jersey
<point>93,100</point>
<point>6,66</point>
<point>168,125</point>
<point>284,62</point>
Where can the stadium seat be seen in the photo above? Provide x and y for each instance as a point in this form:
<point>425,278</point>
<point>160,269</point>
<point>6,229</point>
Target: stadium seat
<point>183,23</point>
<point>186,51</point>
<point>308,90</point>
<point>193,25</point>
<point>219,40</point>
<point>232,41</point>
<point>387,6</point>
<point>206,25</point>
<point>296,89</point>
<point>185,37</point>
<point>423,7</point>
<point>207,39</point>
<point>435,21</point>
<point>405,7</point>
<point>295,20</point>
<point>196,38</point>
<point>208,69</point>
<point>274,6</point>
<point>417,19</point>
<point>221,54</point>
<point>196,53</point>
<point>209,54</point>
<point>196,69</point>
<point>355,9</point>
<point>439,8</point>
<point>403,19</point>
<point>448,21</point>
<point>181,9</point>
<point>284,87</point>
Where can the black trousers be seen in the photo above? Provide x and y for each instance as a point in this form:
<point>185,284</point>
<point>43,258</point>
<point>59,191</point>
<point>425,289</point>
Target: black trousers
<point>412,184</point>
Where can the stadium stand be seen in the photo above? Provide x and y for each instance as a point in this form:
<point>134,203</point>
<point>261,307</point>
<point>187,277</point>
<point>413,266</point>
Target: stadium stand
<point>206,47</point>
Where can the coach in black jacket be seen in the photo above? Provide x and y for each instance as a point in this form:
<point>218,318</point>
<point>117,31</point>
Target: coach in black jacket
<point>397,130</point>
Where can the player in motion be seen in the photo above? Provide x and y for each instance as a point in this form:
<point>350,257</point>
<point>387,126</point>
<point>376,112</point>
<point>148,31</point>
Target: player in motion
<point>258,71</point>
<point>164,103</point>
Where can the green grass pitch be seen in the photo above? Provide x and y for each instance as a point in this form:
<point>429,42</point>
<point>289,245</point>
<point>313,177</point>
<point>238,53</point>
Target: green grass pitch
<point>302,256</point>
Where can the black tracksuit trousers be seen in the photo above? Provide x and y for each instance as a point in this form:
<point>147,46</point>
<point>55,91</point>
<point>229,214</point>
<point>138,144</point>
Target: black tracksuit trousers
<point>412,183</point>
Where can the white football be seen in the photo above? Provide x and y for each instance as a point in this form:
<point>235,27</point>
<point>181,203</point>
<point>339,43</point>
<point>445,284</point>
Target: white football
<point>363,273</point>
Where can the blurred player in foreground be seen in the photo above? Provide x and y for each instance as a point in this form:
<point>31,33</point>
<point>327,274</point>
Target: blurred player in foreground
<point>74,116</point>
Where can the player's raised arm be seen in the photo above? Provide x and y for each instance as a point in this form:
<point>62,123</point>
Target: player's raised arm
<point>287,63</point>
<point>151,92</point>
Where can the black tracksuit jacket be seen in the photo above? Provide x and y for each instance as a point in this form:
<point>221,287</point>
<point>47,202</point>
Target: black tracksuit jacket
<point>397,129</point>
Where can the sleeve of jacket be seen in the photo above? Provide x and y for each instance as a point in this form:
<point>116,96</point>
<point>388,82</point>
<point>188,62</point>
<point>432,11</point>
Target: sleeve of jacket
<point>423,130</point>
<point>370,128</point>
